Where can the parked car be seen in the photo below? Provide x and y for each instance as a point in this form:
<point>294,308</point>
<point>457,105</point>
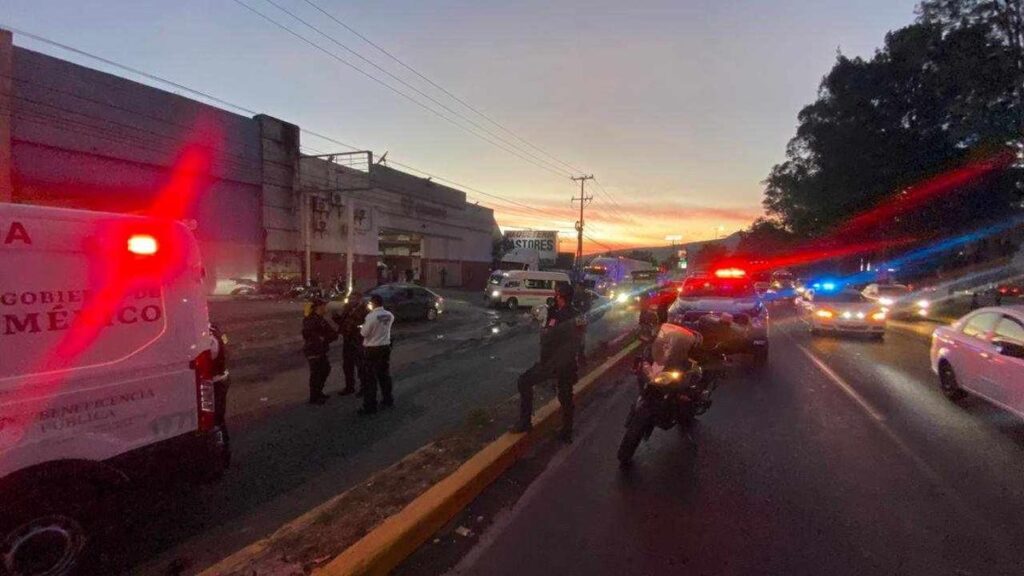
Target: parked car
<point>236,287</point>
<point>983,353</point>
<point>409,301</point>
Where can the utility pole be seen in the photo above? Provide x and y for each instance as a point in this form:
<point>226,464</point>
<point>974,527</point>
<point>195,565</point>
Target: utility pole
<point>583,200</point>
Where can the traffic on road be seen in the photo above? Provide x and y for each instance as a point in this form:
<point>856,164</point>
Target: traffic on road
<point>654,288</point>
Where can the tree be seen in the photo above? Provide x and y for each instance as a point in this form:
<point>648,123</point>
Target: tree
<point>708,254</point>
<point>940,93</point>
<point>764,238</point>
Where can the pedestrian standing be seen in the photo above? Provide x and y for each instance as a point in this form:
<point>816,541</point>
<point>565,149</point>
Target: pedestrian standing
<point>317,334</point>
<point>444,277</point>
<point>376,332</point>
<point>559,346</point>
<point>349,320</point>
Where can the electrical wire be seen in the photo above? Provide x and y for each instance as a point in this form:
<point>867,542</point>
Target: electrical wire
<point>439,87</point>
<point>401,81</point>
<point>441,115</point>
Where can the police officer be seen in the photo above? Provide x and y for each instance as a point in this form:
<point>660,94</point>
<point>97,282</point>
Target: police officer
<point>376,331</point>
<point>318,334</point>
<point>349,321</point>
<point>559,346</point>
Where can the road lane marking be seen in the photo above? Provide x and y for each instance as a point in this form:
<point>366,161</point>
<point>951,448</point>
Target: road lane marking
<point>961,506</point>
<point>838,381</point>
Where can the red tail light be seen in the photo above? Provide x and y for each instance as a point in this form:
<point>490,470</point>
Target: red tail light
<point>206,399</point>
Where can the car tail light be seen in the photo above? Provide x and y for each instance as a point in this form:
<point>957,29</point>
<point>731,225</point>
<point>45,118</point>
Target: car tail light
<point>142,244</point>
<point>206,399</point>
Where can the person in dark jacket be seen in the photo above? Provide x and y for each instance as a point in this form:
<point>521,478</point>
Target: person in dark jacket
<point>317,333</point>
<point>559,347</point>
<point>349,320</point>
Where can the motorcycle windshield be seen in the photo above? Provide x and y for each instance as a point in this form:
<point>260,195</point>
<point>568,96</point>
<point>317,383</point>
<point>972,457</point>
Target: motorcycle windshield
<point>671,347</point>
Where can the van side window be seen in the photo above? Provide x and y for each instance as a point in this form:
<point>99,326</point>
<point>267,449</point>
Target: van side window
<point>535,284</point>
<point>512,284</point>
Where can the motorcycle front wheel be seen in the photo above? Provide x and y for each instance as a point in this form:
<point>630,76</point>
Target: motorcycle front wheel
<point>636,428</point>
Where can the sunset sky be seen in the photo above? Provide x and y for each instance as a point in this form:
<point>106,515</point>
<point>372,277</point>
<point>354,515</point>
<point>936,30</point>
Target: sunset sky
<point>678,107</point>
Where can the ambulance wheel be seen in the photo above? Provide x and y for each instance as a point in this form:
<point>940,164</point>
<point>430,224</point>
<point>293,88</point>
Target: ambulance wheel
<point>55,533</point>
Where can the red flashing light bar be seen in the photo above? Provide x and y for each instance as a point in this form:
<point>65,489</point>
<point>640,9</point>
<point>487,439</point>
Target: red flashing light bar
<point>730,273</point>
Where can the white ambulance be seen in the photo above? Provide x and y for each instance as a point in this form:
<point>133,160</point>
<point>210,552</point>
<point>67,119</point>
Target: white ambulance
<point>514,288</point>
<point>109,371</point>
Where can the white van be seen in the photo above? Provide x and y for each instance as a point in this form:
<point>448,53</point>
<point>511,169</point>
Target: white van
<point>109,371</point>
<point>515,288</point>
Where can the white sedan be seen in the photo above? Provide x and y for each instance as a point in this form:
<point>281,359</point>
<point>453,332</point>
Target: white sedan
<point>983,353</point>
<point>842,311</point>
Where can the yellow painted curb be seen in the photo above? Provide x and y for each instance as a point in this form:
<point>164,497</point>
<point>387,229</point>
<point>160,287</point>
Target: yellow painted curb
<point>396,538</point>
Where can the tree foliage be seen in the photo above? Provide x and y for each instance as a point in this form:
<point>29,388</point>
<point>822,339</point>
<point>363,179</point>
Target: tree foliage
<point>940,92</point>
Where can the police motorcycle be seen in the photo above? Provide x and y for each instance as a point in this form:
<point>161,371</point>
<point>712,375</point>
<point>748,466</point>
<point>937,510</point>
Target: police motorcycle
<point>675,374</point>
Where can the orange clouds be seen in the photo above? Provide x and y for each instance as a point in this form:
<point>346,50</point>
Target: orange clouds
<point>629,224</point>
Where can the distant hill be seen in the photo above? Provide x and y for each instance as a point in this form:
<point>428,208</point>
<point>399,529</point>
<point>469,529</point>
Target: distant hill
<point>661,253</point>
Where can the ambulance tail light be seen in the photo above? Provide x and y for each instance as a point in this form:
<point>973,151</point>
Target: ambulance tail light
<point>206,399</point>
<point>143,244</point>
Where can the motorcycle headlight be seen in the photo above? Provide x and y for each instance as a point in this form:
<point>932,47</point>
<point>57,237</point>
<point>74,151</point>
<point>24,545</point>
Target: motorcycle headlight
<point>668,377</point>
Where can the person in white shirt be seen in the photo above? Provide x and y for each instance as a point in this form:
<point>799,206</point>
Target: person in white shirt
<point>376,331</point>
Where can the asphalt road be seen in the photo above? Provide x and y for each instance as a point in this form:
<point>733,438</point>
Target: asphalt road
<point>842,458</point>
<point>289,457</point>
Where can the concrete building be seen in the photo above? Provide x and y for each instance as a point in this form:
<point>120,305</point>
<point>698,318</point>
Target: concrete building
<point>77,137</point>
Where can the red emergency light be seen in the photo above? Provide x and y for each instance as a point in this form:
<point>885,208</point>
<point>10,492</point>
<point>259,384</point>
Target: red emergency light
<point>142,244</point>
<point>730,273</point>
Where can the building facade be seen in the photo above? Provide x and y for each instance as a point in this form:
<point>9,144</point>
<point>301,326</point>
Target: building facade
<point>77,137</point>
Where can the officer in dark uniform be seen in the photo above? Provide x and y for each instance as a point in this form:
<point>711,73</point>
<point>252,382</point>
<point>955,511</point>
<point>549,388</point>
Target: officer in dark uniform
<point>349,321</point>
<point>559,346</point>
<point>317,333</point>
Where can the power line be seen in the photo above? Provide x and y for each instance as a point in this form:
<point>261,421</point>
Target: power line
<point>514,152</point>
<point>439,87</point>
<point>410,86</point>
<point>208,97</point>
<point>128,68</point>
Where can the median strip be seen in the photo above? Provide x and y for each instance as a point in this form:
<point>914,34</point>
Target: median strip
<point>378,523</point>
<point>400,535</point>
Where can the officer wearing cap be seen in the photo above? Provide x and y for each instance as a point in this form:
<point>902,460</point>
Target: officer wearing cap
<point>317,334</point>
<point>559,345</point>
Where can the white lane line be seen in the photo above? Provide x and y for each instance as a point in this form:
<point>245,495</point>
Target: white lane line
<point>959,504</point>
<point>838,381</point>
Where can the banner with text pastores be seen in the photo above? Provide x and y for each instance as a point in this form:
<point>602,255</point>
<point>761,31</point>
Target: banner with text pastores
<point>545,242</point>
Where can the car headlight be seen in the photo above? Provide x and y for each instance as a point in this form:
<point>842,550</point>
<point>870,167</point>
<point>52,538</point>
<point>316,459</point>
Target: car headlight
<point>622,298</point>
<point>878,316</point>
<point>824,313</point>
<point>923,303</point>
<point>860,315</point>
<point>885,301</point>
<point>496,294</point>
